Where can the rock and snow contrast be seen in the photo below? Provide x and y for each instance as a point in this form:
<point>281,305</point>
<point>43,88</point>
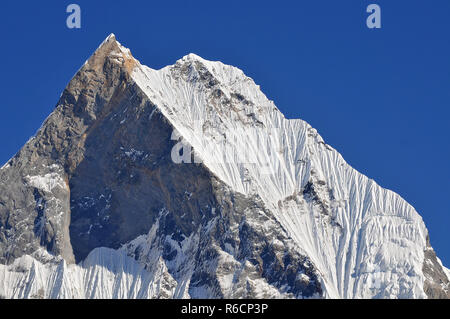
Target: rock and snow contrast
<point>259,206</point>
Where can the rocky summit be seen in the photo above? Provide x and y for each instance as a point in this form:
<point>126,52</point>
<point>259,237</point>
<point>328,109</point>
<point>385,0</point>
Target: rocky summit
<point>187,182</point>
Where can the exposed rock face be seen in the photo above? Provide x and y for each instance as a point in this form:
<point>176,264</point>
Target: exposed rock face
<point>97,186</point>
<point>437,284</point>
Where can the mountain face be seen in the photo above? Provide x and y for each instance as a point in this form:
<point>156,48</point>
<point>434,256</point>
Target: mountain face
<point>187,182</point>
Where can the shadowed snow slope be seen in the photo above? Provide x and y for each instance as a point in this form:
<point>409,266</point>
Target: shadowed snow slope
<point>262,208</point>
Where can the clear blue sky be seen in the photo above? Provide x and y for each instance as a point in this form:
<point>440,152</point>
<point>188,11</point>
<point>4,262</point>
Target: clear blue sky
<point>380,97</point>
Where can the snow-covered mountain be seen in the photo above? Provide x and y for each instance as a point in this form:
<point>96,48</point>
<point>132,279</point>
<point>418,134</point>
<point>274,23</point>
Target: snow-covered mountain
<point>187,182</point>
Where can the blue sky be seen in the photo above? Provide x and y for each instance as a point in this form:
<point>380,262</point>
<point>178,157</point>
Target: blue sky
<point>380,97</point>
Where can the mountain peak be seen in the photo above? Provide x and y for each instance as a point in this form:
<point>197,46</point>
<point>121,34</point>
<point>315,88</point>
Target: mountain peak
<point>111,36</point>
<point>263,209</point>
<point>117,53</point>
<point>192,57</point>
<point>109,42</point>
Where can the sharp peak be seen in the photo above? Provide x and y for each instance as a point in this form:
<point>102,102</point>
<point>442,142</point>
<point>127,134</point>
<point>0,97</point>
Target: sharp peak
<point>110,36</point>
<point>109,42</point>
<point>110,47</point>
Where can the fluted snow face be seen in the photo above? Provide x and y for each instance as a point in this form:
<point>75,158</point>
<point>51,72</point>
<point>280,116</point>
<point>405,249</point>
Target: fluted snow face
<point>447,272</point>
<point>365,240</point>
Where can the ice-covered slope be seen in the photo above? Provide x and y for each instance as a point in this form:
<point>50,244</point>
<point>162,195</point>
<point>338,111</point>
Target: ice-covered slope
<point>365,240</point>
<point>358,239</point>
<point>106,273</point>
